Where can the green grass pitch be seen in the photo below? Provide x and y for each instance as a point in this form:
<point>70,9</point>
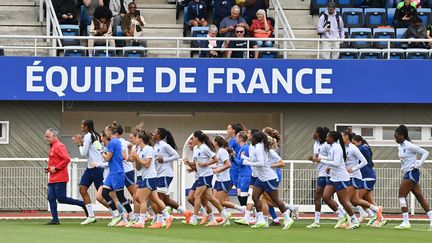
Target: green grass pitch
<point>70,230</point>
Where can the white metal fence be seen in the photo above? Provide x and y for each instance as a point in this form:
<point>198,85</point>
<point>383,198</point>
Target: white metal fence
<point>24,187</point>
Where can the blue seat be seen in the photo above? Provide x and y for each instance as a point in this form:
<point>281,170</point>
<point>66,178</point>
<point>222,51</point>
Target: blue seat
<point>361,33</point>
<point>353,17</point>
<point>370,54</point>
<point>348,54</point>
<point>383,33</point>
<point>390,15</point>
<point>119,31</point>
<point>321,3</point>
<point>268,54</point>
<point>134,51</point>
<point>345,44</point>
<point>399,34</point>
<point>417,54</point>
<point>425,15</point>
<point>74,51</point>
<point>345,3</point>
<point>375,17</point>
<point>100,51</point>
<point>395,54</point>
<point>70,31</point>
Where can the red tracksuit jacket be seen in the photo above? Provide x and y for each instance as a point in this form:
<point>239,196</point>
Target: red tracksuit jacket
<point>59,158</point>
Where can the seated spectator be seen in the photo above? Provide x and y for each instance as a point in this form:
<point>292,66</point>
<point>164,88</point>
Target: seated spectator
<point>65,11</point>
<point>252,6</point>
<point>262,28</point>
<point>87,14</point>
<point>101,25</point>
<point>210,43</point>
<point>240,33</point>
<point>417,30</point>
<point>405,11</point>
<point>197,13</point>
<point>429,34</point>
<point>133,25</point>
<point>222,9</point>
<point>119,9</point>
<point>229,23</point>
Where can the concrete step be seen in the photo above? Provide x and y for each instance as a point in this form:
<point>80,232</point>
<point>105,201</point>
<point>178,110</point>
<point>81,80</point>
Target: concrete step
<point>18,3</point>
<point>159,15</point>
<point>18,52</point>
<point>163,32</point>
<point>21,30</point>
<point>18,13</point>
<point>295,4</point>
<point>141,3</point>
<point>299,18</point>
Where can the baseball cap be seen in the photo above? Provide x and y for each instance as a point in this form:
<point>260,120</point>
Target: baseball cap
<point>331,5</point>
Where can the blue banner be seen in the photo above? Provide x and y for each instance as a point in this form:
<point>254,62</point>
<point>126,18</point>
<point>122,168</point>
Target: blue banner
<point>215,80</point>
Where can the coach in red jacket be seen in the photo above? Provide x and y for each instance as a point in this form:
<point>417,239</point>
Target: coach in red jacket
<point>58,160</point>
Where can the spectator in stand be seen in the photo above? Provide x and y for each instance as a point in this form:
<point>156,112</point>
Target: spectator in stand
<point>197,13</point>
<point>252,6</point>
<point>133,25</point>
<point>417,30</point>
<point>101,25</point>
<point>429,34</point>
<point>405,12</point>
<point>210,43</point>
<point>119,9</point>
<point>240,33</point>
<point>229,23</point>
<point>87,14</point>
<point>332,28</point>
<point>262,28</point>
<point>222,9</point>
<point>65,11</point>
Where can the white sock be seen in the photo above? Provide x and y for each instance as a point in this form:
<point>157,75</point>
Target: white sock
<point>260,217</point>
<point>165,213</point>
<point>212,218</point>
<point>374,208</point>
<point>194,218</point>
<point>286,217</point>
<point>159,218</point>
<point>238,208</point>
<point>370,213</point>
<point>247,217</point>
<point>429,214</point>
<point>124,217</point>
<point>291,207</point>
<point>342,210</point>
<point>266,218</point>
<point>181,209</point>
<point>361,210</point>
<point>339,214</point>
<point>255,211</point>
<point>276,220</point>
<point>317,217</point>
<point>141,218</point>
<point>132,216</point>
<point>203,211</point>
<point>354,219</point>
<point>405,218</point>
<point>115,213</point>
<point>224,214</point>
<point>90,210</point>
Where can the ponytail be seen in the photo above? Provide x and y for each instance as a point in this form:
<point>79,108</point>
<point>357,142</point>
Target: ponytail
<point>338,137</point>
<point>167,136</point>
<point>203,138</point>
<point>403,130</point>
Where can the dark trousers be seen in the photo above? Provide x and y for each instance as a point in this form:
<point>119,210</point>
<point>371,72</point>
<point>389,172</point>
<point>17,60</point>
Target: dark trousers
<point>57,192</point>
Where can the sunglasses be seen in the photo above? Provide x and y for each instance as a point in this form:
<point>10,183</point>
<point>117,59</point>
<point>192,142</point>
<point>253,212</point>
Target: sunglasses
<point>240,31</point>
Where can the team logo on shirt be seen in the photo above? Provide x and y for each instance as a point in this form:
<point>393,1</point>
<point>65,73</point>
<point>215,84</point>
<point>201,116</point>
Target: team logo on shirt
<point>404,150</point>
<point>199,154</point>
<point>158,150</point>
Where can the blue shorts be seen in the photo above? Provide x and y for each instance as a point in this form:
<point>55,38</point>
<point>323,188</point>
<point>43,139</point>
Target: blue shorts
<point>139,180</point>
<point>252,180</point>
<point>94,175</point>
<point>234,175</point>
<point>413,175</point>
<point>322,181</point>
<point>194,185</point>
<point>222,186</point>
<point>279,174</point>
<point>164,182</point>
<point>244,184</point>
<point>268,186</point>
<point>205,181</point>
<point>369,185</point>
<point>149,183</point>
<point>357,183</point>
<point>130,178</point>
<point>115,181</point>
<point>339,185</point>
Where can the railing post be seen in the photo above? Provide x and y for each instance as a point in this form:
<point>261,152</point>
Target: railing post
<point>247,50</point>
<point>319,48</point>
<point>106,47</point>
<point>35,47</point>
<point>74,179</point>
<point>388,50</point>
<point>41,17</point>
<point>178,48</point>
<point>48,23</point>
<point>68,185</point>
<point>291,191</point>
<point>412,203</point>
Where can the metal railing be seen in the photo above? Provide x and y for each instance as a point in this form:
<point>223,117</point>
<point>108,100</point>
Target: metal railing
<point>24,187</point>
<point>281,21</point>
<point>52,24</point>
<point>173,46</point>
